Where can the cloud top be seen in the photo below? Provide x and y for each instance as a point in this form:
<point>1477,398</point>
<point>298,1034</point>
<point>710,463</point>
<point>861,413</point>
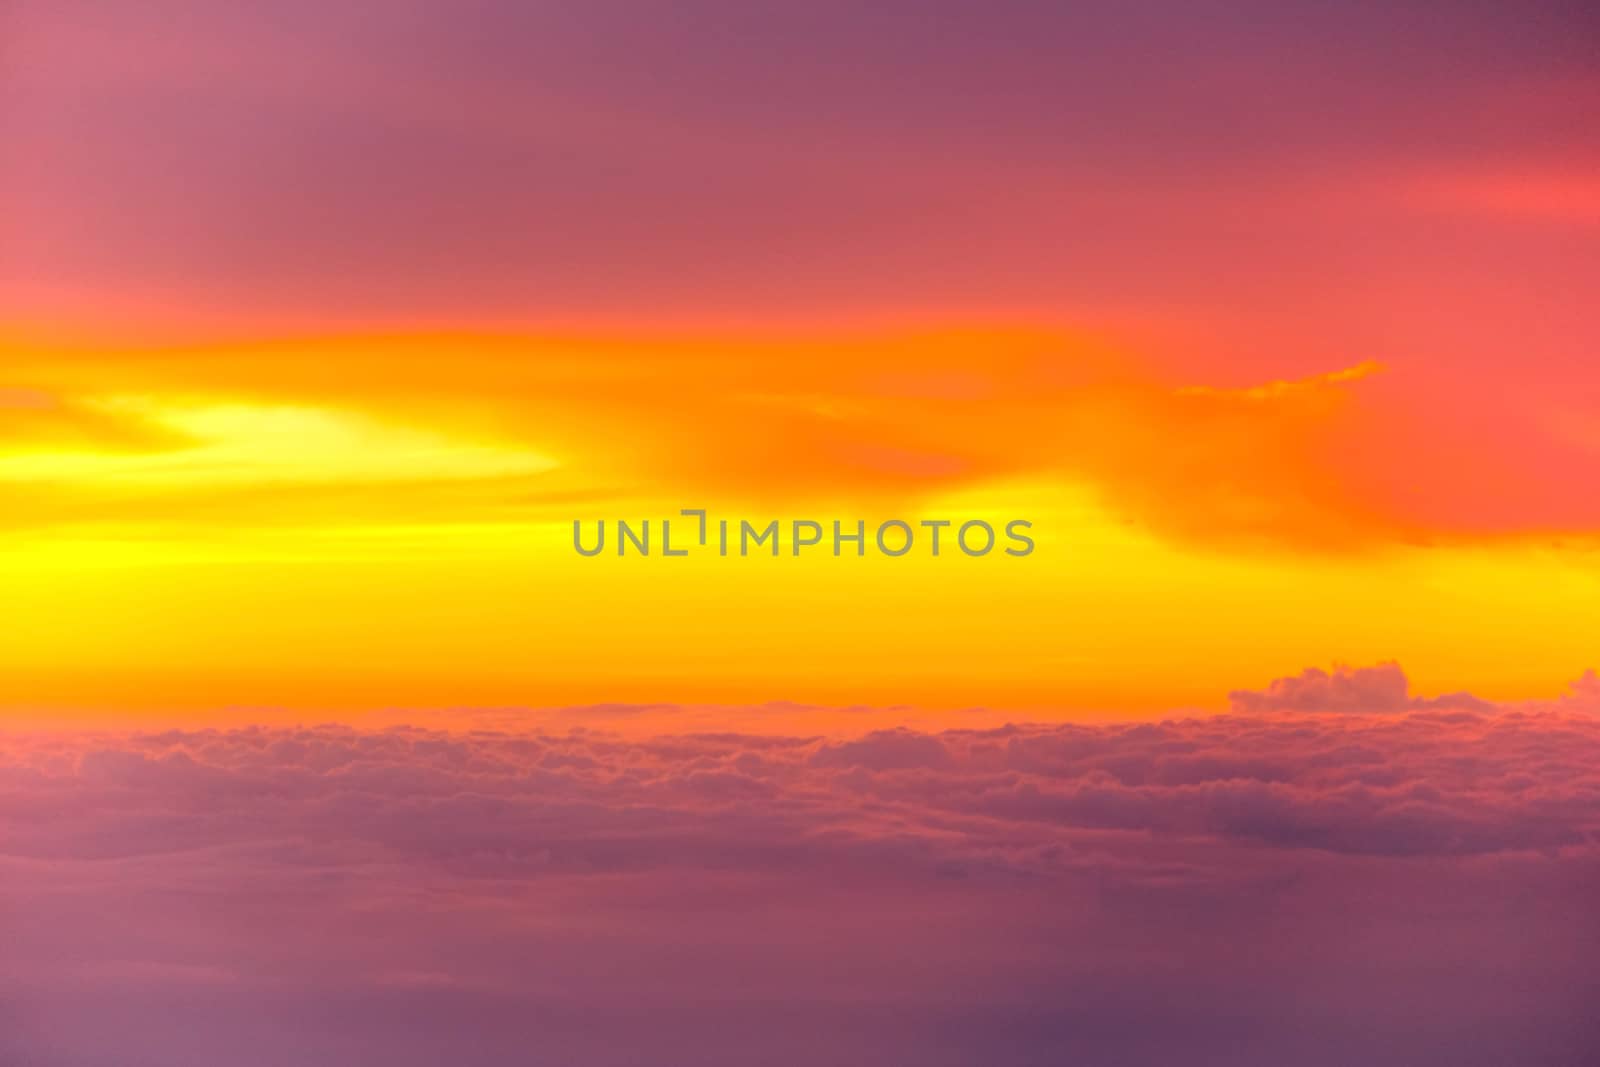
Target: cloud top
<point>1381,688</point>
<point>586,897</point>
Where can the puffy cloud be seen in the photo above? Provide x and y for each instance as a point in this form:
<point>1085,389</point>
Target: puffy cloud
<point>1349,689</point>
<point>885,750</point>
<point>585,896</point>
<point>1584,694</point>
<point>1380,688</point>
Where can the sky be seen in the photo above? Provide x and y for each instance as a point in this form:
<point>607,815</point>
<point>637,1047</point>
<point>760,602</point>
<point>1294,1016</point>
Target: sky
<point>323,324</point>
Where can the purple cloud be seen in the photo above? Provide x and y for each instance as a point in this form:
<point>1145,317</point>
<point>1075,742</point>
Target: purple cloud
<point>1383,688</point>
<point>1267,888</point>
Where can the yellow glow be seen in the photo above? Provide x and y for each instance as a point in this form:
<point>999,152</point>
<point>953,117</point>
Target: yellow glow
<point>243,444</point>
<point>296,542</point>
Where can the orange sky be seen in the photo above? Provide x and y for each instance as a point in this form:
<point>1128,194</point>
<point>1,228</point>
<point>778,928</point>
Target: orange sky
<point>343,525</point>
<point>313,347</point>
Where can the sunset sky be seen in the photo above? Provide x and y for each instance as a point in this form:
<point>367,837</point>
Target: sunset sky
<point>320,329</point>
<point>323,321</point>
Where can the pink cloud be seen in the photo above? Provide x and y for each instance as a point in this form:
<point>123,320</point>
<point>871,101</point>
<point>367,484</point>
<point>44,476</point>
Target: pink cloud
<point>1383,688</point>
<point>1584,694</point>
<point>1305,886</point>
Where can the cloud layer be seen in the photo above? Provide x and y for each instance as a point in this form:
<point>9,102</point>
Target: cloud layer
<point>1256,889</point>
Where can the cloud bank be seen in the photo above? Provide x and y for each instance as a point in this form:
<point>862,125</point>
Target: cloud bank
<point>1297,886</point>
